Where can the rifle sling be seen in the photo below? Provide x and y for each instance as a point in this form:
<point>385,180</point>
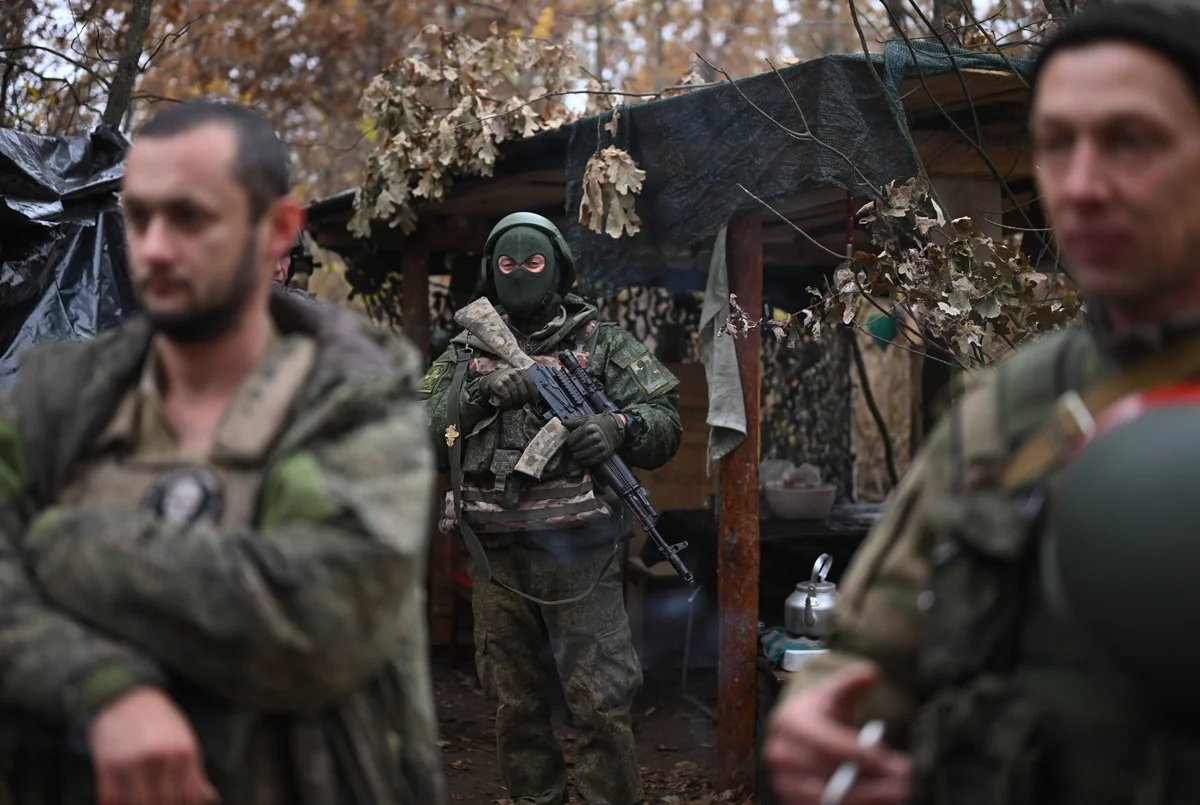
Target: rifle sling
<point>1075,413</point>
<point>474,546</point>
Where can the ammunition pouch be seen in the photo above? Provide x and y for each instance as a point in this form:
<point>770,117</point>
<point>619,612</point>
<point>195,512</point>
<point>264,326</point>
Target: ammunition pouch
<point>551,505</point>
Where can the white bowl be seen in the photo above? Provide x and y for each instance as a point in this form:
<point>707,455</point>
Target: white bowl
<point>799,503</point>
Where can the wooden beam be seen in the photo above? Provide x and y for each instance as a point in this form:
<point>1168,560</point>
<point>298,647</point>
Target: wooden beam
<point>737,530</point>
<point>945,153</point>
<point>415,307</point>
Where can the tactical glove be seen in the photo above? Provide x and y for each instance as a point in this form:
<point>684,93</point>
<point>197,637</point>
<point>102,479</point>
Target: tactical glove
<point>508,388</point>
<point>594,439</point>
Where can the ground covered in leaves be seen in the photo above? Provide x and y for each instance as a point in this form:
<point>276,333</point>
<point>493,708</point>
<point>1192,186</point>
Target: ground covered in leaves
<point>676,739</point>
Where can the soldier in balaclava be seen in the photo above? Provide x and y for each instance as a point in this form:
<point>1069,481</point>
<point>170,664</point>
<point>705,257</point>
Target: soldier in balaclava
<point>551,536</point>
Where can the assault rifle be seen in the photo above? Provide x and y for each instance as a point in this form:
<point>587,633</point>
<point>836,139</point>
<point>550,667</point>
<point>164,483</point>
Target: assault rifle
<point>572,392</point>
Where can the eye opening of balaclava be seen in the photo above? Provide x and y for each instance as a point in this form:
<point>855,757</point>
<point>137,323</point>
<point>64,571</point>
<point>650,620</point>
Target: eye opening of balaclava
<point>522,293</point>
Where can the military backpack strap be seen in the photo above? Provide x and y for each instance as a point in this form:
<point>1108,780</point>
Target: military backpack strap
<point>478,554</point>
<point>474,546</point>
<point>1075,413</point>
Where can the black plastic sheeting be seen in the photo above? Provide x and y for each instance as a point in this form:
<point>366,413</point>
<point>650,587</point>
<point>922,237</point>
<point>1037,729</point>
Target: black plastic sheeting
<point>703,144</point>
<point>63,272</point>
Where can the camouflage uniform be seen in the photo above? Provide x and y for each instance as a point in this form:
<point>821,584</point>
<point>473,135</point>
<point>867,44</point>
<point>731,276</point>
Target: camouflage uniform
<point>588,642</point>
<point>290,633</point>
<point>999,697</point>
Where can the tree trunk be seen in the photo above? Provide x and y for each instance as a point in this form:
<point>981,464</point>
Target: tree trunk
<point>9,67</point>
<point>121,92</point>
<point>661,78</point>
<point>897,16</point>
<point>948,19</point>
<point>704,46</point>
<point>1060,10</point>
<point>599,66</point>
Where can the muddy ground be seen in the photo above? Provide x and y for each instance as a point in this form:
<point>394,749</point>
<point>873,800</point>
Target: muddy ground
<point>676,739</point>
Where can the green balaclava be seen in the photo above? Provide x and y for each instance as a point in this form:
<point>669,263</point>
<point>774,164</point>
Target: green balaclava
<point>523,294</point>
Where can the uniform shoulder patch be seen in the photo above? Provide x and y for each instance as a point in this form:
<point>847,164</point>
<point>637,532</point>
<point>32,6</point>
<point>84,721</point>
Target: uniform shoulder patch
<point>431,379</point>
<point>651,375</point>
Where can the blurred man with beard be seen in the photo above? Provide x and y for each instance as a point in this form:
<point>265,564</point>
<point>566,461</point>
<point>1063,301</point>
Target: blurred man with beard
<point>213,519</point>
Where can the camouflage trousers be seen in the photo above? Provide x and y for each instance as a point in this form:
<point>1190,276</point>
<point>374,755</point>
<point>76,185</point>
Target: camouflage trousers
<point>523,649</point>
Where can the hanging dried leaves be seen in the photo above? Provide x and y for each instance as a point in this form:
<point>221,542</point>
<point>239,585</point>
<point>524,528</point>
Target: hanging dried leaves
<point>972,295</point>
<point>611,179</point>
<point>444,113</point>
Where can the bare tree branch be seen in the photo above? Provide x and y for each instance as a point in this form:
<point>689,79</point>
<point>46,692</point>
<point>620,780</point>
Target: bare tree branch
<point>790,223</point>
<point>869,398</point>
<point>58,54</point>
<point>991,38</point>
<point>68,84</point>
<point>947,21</point>
<point>897,113</point>
<point>173,36</point>
<point>976,144</point>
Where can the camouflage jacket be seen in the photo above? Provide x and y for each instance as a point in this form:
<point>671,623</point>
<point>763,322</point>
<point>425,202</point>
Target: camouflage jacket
<point>633,379</point>
<point>997,695</point>
<point>300,640</point>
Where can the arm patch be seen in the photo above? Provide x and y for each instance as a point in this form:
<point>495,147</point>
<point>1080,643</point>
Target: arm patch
<point>651,375</point>
<point>431,380</point>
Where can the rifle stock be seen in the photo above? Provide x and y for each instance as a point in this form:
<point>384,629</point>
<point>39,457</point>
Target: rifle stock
<point>482,321</point>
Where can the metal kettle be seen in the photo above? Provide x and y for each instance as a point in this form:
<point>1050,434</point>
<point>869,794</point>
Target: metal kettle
<point>808,612</point>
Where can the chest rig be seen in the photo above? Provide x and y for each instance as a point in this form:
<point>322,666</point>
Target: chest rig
<point>515,475</point>
<point>1017,706</point>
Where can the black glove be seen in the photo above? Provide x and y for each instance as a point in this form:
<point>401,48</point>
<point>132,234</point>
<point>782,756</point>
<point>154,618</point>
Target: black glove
<point>508,388</point>
<point>594,439</point>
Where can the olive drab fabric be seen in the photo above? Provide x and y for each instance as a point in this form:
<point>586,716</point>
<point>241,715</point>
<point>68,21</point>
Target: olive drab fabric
<point>523,291</point>
<point>137,448</point>
<point>495,440</point>
<point>290,632</point>
<point>997,694</point>
<point>524,650</point>
<point>1137,478</point>
<point>564,260</point>
<point>547,549</point>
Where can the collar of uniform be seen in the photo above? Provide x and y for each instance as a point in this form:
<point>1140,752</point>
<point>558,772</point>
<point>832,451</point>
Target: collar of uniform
<point>1128,345</point>
<point>250,423</point>
<point>262,403</point>
<point>543,333</point>
<point>550,327</point>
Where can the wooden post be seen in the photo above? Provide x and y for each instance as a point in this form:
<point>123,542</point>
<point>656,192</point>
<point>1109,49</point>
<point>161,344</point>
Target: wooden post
<point>737,530</point>
<point>415,313</point>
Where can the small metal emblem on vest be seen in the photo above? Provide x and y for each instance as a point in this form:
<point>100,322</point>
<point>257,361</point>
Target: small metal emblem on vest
<point>190,495</point>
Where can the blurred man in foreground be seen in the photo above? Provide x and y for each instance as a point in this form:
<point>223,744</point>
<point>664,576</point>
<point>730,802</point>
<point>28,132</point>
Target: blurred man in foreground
<point>961,624</point>
<point>214,519</point>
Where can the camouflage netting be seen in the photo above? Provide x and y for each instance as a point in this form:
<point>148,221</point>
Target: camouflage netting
<point>805,405</point>
<point>698,147</point>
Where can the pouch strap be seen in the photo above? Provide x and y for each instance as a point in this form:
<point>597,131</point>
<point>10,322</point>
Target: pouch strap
<point>1075,414</point>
